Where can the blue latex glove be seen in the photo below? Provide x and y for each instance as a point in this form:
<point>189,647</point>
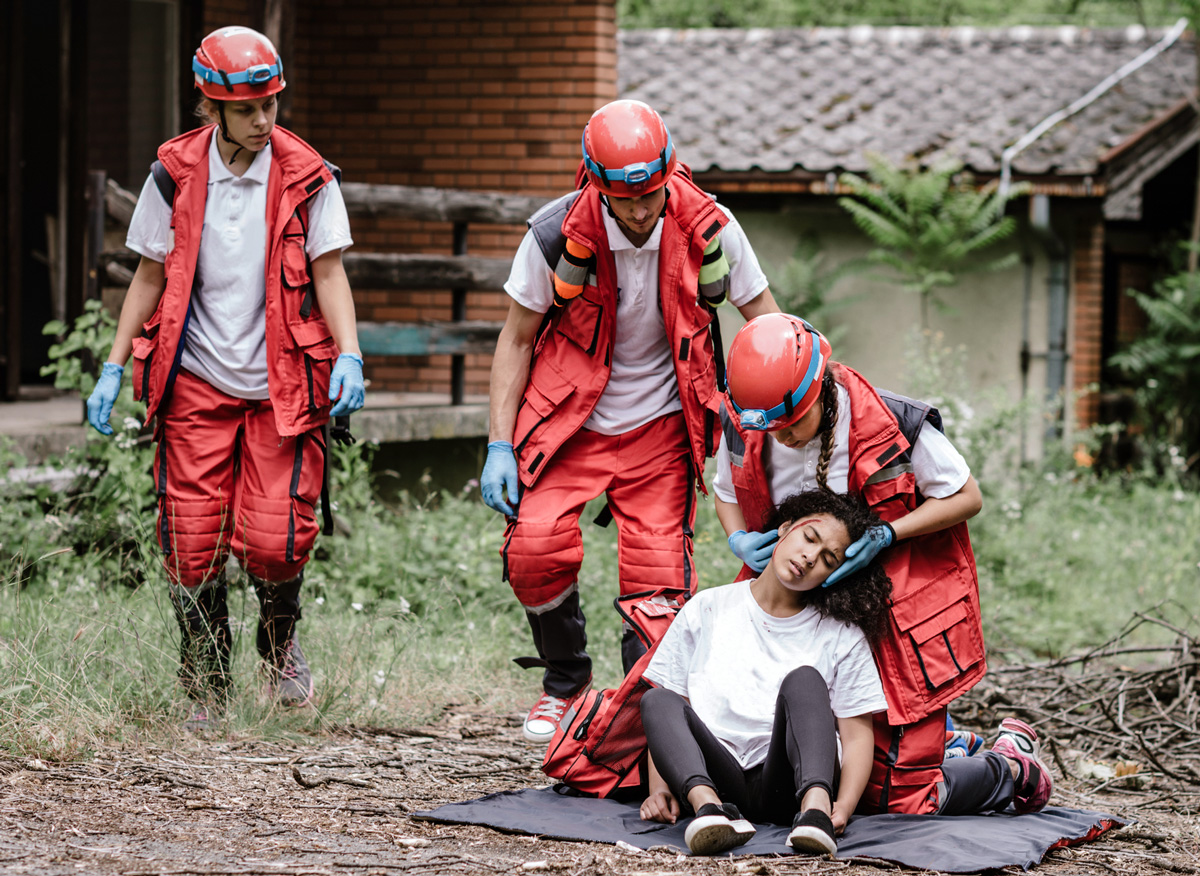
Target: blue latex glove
<point>100,402</point>
<point>860,554</point>
<point>347,380</point>
<point>500,475</point>
<point>754,548</point>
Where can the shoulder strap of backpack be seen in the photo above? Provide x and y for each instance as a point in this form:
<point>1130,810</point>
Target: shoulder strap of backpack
<point>164,181</point>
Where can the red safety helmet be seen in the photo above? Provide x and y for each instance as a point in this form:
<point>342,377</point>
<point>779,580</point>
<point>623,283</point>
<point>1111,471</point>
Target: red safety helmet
<point>237,63</point>
<point>627,149</point>
<point>775,367</point>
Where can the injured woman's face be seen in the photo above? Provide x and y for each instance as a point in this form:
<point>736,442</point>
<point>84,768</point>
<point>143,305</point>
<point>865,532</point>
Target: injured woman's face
<point>809,550</point>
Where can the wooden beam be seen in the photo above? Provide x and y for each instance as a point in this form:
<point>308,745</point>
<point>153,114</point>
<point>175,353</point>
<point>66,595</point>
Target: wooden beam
<point>428,338</point>
<point>439,205</point>
<point>119,202</point>
<point>376,270</point>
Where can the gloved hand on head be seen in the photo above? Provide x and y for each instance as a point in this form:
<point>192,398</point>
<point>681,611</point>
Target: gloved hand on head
<point>754,548</point>
<point>860,554</point>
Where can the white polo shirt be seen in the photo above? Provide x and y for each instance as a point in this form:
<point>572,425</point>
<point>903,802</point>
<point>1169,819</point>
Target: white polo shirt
<point>642,384</point>
<point>938,467</point>
<point>226,341</point>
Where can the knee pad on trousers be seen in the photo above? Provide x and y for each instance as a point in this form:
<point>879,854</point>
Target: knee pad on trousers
<point>272,537</point>
<point>194,537</point>
<point>542,560</point>
<point>647,562</point>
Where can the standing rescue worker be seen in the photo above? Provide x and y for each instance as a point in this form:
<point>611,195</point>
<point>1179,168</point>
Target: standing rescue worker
<point>834,431</point>
<point>605,382</point>
<point>242,329</point>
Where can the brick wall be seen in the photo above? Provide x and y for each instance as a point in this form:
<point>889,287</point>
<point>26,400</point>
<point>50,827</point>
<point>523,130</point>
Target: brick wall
<point>461,94</point>
<point>1087,286</point>
<point>227,13</point>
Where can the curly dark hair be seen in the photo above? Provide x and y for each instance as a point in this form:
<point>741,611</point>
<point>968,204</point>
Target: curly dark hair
<point>863,598</point>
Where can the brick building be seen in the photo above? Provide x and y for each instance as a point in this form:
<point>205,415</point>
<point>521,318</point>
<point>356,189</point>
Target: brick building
<point>459,94</point>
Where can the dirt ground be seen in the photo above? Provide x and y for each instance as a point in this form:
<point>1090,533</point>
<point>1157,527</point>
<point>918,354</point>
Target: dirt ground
<point>339,806</point>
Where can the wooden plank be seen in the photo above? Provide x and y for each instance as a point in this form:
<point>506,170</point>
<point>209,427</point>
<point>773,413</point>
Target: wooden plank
<point>119,202</point>
<point>375,270</point>
<point>403,202</point>
<point>428,338</point>
<point>439,205</point>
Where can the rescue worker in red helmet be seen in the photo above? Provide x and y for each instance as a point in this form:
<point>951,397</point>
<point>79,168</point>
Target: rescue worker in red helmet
<point>833,430</point>
<point>244,344</point>
<point>604,381</point>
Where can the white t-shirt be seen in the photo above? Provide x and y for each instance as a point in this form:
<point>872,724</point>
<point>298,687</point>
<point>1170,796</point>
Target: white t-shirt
<point>642,384</point>
<point>729,658</point>
<point>938,467</point>
<point>226,342</point>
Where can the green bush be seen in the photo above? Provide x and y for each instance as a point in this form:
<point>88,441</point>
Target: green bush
<point>1164,367</point>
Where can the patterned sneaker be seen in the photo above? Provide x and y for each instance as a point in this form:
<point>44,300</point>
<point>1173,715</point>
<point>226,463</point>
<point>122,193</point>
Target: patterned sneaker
<point>1023,737</point>
<point>1018,741</point>
<point>291,681</point>
<point>715,828</point>
<point>812,831</point>
<point>962,743</point>
<point>547,712</point>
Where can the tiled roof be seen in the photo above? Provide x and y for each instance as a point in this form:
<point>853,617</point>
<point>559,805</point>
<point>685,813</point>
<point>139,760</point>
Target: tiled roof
<point>817,100</point>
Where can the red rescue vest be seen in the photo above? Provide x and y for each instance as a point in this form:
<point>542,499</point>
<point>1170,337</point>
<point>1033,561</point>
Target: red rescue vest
<point>300,348</point>
<point>933,650</point>
<point>572,359</point>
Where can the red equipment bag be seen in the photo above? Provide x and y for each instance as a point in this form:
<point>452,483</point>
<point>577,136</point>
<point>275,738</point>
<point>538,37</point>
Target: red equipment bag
<point>600,746</point>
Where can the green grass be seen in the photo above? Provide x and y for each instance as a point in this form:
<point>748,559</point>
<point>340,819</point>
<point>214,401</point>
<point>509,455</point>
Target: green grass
<point>408,613</point>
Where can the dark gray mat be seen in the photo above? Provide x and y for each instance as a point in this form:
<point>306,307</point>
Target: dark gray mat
<point>964,844</point>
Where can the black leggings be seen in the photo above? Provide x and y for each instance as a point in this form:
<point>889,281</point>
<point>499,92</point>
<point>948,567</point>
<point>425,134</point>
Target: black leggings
<point>802,753</point>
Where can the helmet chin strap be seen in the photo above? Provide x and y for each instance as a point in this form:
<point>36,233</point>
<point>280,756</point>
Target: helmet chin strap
<point>225,131</point>
<point>608,206</point>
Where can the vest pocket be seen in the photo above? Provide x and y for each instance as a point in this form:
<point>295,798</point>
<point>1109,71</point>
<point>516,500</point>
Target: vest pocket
<point>143,358</point>
<point>580,323</point>
<point>541,400</point>
<point>318,367</point>
<point>299,295</point>
<point>940,641</point>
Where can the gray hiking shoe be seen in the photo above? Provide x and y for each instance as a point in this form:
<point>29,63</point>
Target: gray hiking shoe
<point>290,679</point>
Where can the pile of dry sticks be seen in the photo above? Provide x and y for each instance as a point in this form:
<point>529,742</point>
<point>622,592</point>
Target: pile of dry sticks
<point>1120,714</point>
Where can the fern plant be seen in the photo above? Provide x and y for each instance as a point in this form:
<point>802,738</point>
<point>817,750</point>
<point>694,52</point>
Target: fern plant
<point>1164,364</point>
<point>929,226</point>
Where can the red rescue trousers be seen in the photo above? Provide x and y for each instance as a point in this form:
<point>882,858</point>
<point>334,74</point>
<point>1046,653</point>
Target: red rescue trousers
<point>227,481</point>
<point>646,474</point>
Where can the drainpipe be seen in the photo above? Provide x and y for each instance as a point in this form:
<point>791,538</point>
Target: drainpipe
<point>1056,317</point>
<point>1039,220</point>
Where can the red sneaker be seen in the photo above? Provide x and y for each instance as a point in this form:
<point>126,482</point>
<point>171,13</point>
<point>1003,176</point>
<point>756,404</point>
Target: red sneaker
<point>1018,741</point>
<point>547,712</point>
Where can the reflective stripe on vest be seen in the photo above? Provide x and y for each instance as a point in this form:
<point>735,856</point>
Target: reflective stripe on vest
<point>576,268</point>
<point>714,273</point>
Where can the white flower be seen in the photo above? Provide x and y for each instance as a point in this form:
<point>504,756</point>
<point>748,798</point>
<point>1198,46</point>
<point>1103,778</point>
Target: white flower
<point>320,600</point>
<point>372,702</point>
<point>462,567</point>
<point>131,424</point>
<point>357,606</point>
<point>380,678</point>
<point>405,606</point>
<point>470,625</point>
<point>1178,496</point>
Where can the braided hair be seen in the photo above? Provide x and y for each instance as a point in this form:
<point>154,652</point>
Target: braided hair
<point>829,415</point>
<point>863,598</point>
